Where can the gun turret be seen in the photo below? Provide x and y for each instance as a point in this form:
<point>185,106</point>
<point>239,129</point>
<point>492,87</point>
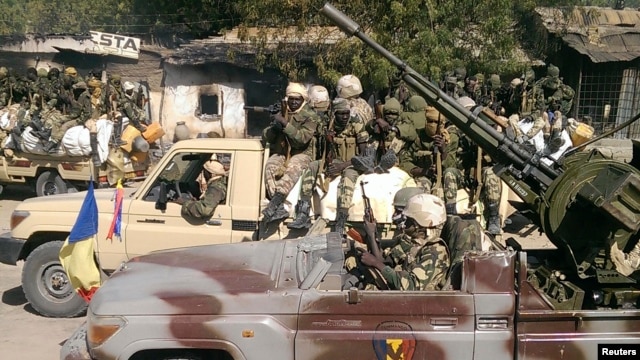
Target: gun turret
<point>584,203</point>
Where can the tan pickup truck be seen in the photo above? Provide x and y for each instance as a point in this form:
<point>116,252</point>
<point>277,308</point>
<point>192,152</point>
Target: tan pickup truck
<point>50,175</point>
<point>150,221</point>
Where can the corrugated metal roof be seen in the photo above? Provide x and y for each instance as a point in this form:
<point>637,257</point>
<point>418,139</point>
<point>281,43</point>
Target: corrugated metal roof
<point>603,34</point>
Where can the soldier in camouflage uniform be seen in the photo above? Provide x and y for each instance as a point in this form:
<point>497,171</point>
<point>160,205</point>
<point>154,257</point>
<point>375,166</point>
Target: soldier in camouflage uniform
<point>128,107</point>
<point>350,88</point>
<point>348,138</point>
<point>419,159</point>
<point>213,181</point>
<point>292,147</point>
<point>319,101</point>
<point>463,176</point>
<point>420,261</point>
<point>393,134</point>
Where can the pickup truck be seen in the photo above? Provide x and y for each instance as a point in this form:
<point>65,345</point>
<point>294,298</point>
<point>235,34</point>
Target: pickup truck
<point>293,299</point>
<point>150,221</point>
<point>50,175</point>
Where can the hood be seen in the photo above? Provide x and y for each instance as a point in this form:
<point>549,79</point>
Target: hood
<point>246,278</point>
<point>71,202</point>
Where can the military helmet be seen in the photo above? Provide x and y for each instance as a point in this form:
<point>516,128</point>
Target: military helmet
<point>426,209</point>
<point>460,73</point>
<point>403,195</point>
<point>4,72</point>
<point>495,82</point>
<point>319,97</point>
<point>70,71</point>
<point>553,71</point>
<point>42,72</point>
<point>340,104</point>
<point>349,86</point>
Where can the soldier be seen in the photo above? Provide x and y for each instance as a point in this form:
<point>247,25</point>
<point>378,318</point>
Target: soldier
<point>213,185</point>
<point>70,77</point>
<point>348,138</point>
<point>420,261</point>
<point>5,87</point>
<point>472,88</point>
<point>415,112</point>
<point>488,189</point>
<point>128,107</point>
<point>450,86</point>
<point>394,134</point>
<point>350,88</point>
<point>420,158</point>
<point>57,124</point>
<point>320,102</point>
<point>291,136</point>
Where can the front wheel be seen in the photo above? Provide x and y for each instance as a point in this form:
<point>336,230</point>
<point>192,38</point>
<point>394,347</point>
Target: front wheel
<point>46,285</point>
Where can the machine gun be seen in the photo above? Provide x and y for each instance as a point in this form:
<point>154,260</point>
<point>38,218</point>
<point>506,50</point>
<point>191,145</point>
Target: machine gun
<point>583,202</point>
<point>271,109</point>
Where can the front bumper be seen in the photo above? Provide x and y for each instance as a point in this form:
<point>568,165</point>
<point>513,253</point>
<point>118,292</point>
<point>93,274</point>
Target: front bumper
<point>10,248</point>
<point>75,348</point>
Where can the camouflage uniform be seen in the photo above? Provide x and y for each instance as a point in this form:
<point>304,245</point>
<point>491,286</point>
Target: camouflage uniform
<point>417,263</point>
<point>128,107</point>
<point>295,140</point>
<point>204,207</point>
<point>5,91</point>
<point>419,157</point>
<point>403,134</point>
<point>57,123</point>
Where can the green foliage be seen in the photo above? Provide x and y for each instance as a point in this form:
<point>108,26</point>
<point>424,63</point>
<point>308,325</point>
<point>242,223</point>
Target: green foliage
<point>433,36</point>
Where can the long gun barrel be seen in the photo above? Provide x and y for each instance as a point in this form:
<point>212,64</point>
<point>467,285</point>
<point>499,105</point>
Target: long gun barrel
<point>584,202</point>
<point>271,109</point>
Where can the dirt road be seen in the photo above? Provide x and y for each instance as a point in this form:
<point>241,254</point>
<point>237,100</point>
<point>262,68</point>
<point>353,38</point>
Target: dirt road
<point>23,333</point>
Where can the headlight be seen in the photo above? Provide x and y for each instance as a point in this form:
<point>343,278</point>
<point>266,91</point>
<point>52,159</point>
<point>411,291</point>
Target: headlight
<point>102,328</point>
<point>17,216</point>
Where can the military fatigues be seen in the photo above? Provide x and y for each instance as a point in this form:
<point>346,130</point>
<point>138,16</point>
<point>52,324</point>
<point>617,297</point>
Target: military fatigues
<point>418,263</point>
<point>296,141</point>
<point>204,207</point>
<point>399,141</point>
<point>136,115</point>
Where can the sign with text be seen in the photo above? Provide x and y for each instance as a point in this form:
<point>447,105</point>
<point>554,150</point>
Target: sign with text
<point>114,44</point>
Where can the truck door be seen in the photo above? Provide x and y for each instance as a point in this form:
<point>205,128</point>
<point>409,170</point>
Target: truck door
<point>149,228</point>
<point>360,324</point>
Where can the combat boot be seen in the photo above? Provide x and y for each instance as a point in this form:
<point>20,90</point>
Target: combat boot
<point>341,221</point>
<point>95,156</point>
<point>51,147</point>
<point>302,220</point>
<point>493,221</point>
<point>274,207</point>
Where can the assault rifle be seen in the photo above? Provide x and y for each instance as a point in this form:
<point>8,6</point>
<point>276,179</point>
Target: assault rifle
<point>437,188</point>
<point>372,243</point>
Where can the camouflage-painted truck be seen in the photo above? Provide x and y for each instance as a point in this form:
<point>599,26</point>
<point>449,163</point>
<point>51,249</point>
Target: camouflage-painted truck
<point>293,299</point>
<point>150,220</point>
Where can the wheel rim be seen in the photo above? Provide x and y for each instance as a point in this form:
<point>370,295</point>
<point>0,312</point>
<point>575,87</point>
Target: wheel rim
<point>49,188</point>
<point>54,283</point>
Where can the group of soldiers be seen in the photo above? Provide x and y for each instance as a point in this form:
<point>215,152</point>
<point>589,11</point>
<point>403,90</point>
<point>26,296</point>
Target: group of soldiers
<point>53,101</point>
<point>347,136</point>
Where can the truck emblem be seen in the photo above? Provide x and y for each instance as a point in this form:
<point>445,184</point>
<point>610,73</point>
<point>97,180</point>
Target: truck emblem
<point>394,340</point>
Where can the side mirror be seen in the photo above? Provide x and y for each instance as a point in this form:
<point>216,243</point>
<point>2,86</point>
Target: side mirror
<point>161,203</point>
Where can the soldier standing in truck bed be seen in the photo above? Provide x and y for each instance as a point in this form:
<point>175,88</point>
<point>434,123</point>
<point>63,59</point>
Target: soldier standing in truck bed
<point>128,108</point>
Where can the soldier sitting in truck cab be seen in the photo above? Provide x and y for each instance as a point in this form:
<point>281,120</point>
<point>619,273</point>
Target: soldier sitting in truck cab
<point>213,190</point>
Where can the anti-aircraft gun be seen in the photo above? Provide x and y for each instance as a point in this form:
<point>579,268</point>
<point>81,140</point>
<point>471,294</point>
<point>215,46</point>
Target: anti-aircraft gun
<point>583,202</point>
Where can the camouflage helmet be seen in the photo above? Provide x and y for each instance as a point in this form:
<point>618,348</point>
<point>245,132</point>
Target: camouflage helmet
<point>479,77</point>
<point>42,72</point>
<point>426,209</point>
<point>403,195</point>
<point>495,82</point>
<point>553,71</point>
<point>460,73</point>
<point>319,97</point>
<point>70,71</point>
<point>416,103</point>
<point>392,105</point>
<point>340,104</point>
<point>349,86</point>
<point>4,72</point>
<point>530,76</point>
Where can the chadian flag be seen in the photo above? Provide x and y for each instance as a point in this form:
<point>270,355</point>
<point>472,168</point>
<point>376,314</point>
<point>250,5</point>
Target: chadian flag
<point>77,255</point>
<point>114,229</point>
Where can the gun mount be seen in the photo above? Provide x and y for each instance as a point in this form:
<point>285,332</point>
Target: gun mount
<point>584,202</point>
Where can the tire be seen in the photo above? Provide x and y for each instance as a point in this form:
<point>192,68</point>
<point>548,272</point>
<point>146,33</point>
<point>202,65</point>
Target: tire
<point>46,285</point>
<point>50,183</point>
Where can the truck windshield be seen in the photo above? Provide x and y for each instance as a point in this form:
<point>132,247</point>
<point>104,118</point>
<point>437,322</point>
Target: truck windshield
<point>318,255</point>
